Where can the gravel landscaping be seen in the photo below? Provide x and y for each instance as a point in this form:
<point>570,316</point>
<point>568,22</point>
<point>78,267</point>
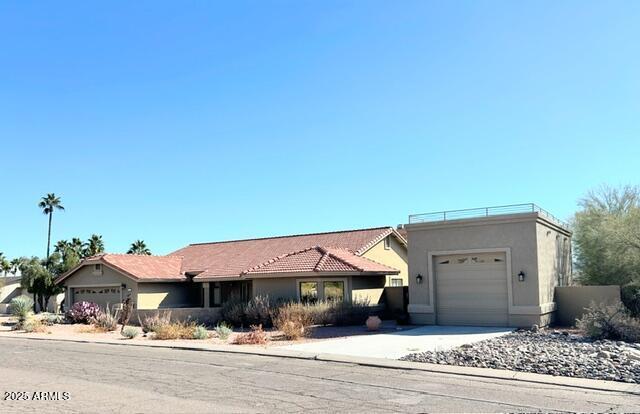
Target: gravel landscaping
<point>546,352</point>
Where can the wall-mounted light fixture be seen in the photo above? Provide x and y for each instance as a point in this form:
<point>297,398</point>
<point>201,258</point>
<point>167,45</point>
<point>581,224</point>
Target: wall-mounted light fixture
<point>521,276</point>
<point>124,286</point>
<point>419,278</point>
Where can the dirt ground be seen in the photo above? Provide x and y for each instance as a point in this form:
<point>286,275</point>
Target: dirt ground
<point>84,332</point>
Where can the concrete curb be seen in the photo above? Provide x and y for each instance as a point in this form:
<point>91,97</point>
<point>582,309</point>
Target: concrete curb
<point>490,373</point>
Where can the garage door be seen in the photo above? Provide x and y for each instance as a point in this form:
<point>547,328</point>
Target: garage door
<point>102,295</point>
<point>471,289</point>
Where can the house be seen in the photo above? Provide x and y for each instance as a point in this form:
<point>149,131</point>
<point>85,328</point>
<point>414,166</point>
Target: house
<point>343,265</point>
<point>494,266</point>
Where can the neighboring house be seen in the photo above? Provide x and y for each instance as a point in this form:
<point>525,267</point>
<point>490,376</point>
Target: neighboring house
<point>345,265</point>
<point>9,289</point>
<point>494,266</point>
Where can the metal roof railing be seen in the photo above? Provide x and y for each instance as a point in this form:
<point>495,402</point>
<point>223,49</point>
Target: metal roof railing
<point>486,212</point>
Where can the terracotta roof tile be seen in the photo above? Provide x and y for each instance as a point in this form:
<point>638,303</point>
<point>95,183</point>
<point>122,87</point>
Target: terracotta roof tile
<point>142,266</point>
<point>232,258</point>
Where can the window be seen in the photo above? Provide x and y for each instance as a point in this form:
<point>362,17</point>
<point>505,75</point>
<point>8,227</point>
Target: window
<point>333,290</point>
<point>386,242</point>
<point>396,282</point>
<point>309,292</point>
<point>217,294</point>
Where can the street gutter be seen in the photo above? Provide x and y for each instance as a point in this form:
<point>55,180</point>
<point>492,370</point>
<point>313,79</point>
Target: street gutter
<point>584,383</point>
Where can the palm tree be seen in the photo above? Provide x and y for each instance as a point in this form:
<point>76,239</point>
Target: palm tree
<point>76,245</point>
<point>5,266</point>
<point>139,247</point>
<point>16,264</point>
<point>48,204</point>
<point>61,246</point>
<point>93,246</point>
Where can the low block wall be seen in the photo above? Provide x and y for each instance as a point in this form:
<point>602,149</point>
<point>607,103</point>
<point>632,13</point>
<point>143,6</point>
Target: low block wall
<point>206,316</point>
<point>395,299</point>
<point>572,300</point>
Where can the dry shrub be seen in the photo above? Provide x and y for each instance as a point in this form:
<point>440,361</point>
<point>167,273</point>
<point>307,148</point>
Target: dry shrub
<point>33,325</point>
<point>601,321</point>
<point>176,330</point>
<point>153,322</point>
<point>293,320</point>
<point>257,336</point>
<point>105,321</point>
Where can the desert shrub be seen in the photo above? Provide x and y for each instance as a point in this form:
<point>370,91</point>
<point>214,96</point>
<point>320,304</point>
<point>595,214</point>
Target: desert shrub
<point>83,312</point>
<point>105,321</point>
<point>601,321</point>
<point>21,307</point>
<point>355,312</point>
<point>200,332</point>
<point>175,330</point>
<point>258,311</point>
<point>33,325</point>
<point>153,322</point>
<point>129,332</point>
<point>223,330</point>
<point>630,295</point>
<point>233,311</point>
<point>293,320</point>
<point>50,319</point>
<point>257,336</point>
<point>322,312</point>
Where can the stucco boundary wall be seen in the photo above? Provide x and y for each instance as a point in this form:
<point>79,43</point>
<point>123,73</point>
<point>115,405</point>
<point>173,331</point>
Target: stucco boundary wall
<point>571,301</point>
<point>206,316</point>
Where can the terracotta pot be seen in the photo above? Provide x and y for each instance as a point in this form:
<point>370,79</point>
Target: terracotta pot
<point>373,323</point>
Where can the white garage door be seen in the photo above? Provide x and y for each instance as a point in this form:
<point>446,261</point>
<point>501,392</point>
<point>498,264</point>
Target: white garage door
<point>100,295</point>
<point>471,289</point>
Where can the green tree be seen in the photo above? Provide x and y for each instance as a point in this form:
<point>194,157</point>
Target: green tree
<point>139,247</point>
<point>15,265</point>
<point>49,204</point>
<point>5,265</point>
<point>607,236</point>
<point>38,278</point>
<point>93,246</point>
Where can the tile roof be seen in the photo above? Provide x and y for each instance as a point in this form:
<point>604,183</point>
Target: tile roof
<point>142,267</point>
<point>320,259</point>
<point>232,258</point>
<point>339,251</point>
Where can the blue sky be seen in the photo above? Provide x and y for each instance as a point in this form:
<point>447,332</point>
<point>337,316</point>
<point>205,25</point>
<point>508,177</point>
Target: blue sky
<point>179,122</point>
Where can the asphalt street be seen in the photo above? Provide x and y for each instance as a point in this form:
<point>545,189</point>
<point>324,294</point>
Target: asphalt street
<point>52,377</point>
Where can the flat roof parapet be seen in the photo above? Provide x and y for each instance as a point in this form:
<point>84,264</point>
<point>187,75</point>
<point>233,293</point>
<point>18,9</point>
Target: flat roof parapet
<point>480,212</point>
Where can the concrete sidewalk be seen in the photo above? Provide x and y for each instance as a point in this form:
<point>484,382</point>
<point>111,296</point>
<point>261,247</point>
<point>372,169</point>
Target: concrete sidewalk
<point>395,345</point>
<point>583,383</point>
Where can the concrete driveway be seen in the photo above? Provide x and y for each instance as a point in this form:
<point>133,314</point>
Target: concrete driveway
<point>397,344</point>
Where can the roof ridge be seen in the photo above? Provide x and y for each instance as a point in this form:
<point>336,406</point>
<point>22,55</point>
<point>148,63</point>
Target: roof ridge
<point>358,268</point>
<point>275,259</point>
<point>292,235</point>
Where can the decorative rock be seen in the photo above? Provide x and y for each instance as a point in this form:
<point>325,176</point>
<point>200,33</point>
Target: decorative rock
<point>535,328</point>
<point>556,353</point>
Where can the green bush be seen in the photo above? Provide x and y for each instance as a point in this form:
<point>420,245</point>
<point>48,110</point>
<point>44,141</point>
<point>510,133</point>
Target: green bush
<point>129,332</point>
<point>224,331</point>
<point>233,311</point>
<point>21,307</point>
<point>200,332</point>
<point>50,319</point>
<point>630,295</point>
<point>613,322</point>
<point>258,311</point>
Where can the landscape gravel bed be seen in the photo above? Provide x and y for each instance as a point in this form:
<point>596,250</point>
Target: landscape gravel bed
<point>545,352</point>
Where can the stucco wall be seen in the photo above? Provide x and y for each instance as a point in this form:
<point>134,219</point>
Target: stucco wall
<point>531,299</point>
<point>369,288</point>
<point>168,295</point>
<point>85,276</point>
<point>286,288</point>
<point>395,256</point>
<point>554,260</point>
<point>572,300</point>
<point>206,316</point>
